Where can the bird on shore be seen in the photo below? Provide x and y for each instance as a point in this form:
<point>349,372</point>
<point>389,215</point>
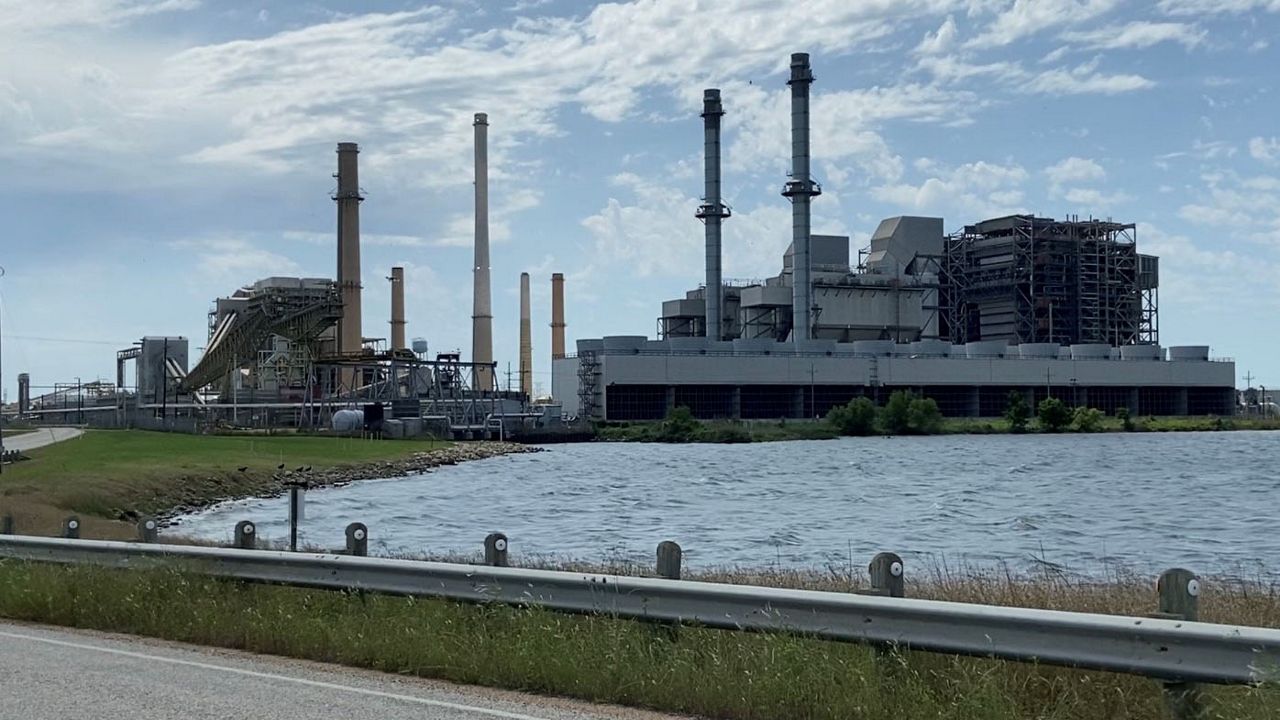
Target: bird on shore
<point>300,469</point>
<point>280,466</point>
<point>243,468</point>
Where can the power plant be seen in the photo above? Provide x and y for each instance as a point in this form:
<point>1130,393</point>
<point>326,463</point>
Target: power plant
<point>1045,307</point>
<point>1048,308</point>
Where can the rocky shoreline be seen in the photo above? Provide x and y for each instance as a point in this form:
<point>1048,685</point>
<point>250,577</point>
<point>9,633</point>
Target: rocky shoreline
<point>279,483</point>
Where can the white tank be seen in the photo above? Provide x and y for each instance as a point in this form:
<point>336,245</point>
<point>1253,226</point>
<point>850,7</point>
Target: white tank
<point>420,346</point>
<point>348,421</point>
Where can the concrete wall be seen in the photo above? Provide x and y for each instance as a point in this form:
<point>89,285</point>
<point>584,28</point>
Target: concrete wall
<point>564,384</point>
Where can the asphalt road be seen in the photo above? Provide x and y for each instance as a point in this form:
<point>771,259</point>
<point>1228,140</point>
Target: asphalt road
<point>40,438</point>
<point>53,674</point>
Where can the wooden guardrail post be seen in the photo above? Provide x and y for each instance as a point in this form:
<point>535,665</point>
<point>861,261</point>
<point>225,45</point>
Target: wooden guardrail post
<point>1179,591</point>
<point>71,528</point>
<point>246,535</point>
<point>357,539</point>
<point>669,556</point>
<point>495,550</point>
<point>6,524</point>
<point>886,575</point>
<point>148,530</point>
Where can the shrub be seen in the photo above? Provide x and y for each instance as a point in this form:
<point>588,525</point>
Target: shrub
<point>1017,412</point>
<point>923,417</point>
<point>895,418</point>
<point>858,417</point>
<point>680,426</point>
<point>727,434</point>
<point>1053,415</point>
<point>1086,419</point>
<point>1126,422</point>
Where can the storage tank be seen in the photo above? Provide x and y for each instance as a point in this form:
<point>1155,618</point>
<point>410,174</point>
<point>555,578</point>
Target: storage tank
<point>420,346</point>
<point>348,422</point>
<point>880,348</point>
<point>1091,351</point>
<point>986,349</point>
<point>1040,351</point>
<point>590,345</point>
<point>1141,352</point>
<point>1193,353</point>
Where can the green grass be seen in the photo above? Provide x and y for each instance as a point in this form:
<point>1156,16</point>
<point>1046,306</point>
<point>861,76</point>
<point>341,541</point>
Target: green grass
<point>106,474</point>
<point>717,674</point>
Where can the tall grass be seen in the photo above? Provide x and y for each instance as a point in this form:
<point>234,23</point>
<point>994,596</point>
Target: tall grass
<point>717,674</point>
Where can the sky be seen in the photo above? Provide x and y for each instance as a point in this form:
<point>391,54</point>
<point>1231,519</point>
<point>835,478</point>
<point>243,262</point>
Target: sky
<point>157,154</point>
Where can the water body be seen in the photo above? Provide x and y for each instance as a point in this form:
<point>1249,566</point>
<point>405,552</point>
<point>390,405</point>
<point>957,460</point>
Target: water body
<point>1208,501</point>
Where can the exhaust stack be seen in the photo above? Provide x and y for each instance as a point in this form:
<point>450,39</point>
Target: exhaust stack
<point>801,189</point>
<point>350,334</point>
<point>526,339</point>
<point>557,316</point>
<point>397,309</point>
<point>482,308</point>
<point>712,212</point>
<point>24,392</point>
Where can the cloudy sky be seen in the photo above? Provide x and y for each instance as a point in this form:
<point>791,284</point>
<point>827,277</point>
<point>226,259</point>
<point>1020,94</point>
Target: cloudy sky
<point>155,154</point>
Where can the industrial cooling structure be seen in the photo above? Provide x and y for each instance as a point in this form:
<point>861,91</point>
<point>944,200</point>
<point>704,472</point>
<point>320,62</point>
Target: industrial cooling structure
<point>1049,308</point>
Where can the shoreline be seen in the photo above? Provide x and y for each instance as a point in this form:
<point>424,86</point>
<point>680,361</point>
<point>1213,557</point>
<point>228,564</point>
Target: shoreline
<point>420,462</point>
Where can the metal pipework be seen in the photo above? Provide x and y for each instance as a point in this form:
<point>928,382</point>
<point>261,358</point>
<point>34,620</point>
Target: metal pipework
<point>482,308</point>
<point>801,189</point>
<point>557,316</point>
<point>712,212</point>
<point>348,198</point>
<point>397,308</point>
<point>526,339</point>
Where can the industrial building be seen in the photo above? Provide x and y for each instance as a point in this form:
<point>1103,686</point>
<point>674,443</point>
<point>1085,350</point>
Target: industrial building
<point>1050,308</point>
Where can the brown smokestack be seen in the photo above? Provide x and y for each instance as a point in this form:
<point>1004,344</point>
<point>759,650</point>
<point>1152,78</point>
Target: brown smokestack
<point>526,339</point>
<point>557,315</point>
<point>397,308</point>
<point>350,334</point>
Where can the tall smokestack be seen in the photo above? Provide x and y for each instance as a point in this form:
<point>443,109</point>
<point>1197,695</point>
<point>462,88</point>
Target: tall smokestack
<point>482,309</point>
<point>526,339</point>
<point>712,212</point>
<point>801,189</point>
<point>557,316</point>
<point>350,337</point>
<point>24,393</point>
<point>397,308</point>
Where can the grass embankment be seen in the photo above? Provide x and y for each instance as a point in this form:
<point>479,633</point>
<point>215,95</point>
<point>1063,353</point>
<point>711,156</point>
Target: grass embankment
<point>737,676</point>
<point>109,477</point>
<point>10,432</point>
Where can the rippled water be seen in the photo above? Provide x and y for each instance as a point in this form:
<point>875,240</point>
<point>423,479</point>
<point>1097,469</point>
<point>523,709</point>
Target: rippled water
<point>1205,500</point>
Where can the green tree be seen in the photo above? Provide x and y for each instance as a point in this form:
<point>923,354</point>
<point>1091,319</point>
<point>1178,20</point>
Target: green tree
<point>895,418</point>
<point>1122,414</point>
<point>680,426</point>
<point>1017,412</point>
<point>858,417</point>
<point>1053,415</point>
<point>923,417</point>
<point>1086,419</point>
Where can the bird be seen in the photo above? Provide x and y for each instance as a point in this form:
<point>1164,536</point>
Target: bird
<point>300,469</point>
<point>280,466</point>
<point>307,469</point>
<point>243,468</point>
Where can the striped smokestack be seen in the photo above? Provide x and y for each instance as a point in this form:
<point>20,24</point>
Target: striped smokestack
<point>526,339</point>
<point>482,308</point>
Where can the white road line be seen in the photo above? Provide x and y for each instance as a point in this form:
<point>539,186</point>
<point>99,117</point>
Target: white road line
<point>270,676</point>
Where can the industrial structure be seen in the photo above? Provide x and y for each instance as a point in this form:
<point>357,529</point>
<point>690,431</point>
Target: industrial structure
<point>526,338</point>
<point>1047,308</point>
<point>482,314</point>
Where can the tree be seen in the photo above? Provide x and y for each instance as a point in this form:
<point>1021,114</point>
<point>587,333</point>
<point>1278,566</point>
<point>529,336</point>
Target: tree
<point>858,417</point>
<point>895,418</point>
<point>1086,419</point>
<point>924,418</point>
<point>1017,412</point>
<point>1122,414</point>
<point>1053,415</point>
<point>680,426</point>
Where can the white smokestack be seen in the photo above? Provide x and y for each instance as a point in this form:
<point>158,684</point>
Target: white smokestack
<point>482,308</point>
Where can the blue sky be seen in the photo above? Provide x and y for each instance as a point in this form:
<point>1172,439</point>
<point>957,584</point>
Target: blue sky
<point>159,153</point>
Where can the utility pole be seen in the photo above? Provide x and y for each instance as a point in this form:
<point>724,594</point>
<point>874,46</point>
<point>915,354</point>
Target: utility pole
<point>2,371</point>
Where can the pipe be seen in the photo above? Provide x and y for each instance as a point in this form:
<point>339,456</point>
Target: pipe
<point>526,339</point>
<point>350,334</point>
<point>397,308</point>
<point>482,309</point>
<point>801,189</point>
<point>712,212</point>
<point>557,316</point>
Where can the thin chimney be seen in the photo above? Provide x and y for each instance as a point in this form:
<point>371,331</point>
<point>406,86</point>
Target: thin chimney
<point>482,308</point>
<point>397,308</point>
<point>801,189</point>
<point>557,316</point>
<point>350,334</point>
<point>712,212</point>
<point>526,339</point>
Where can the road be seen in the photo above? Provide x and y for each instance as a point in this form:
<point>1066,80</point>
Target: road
<point>40,438</point>
<point>54,673</point>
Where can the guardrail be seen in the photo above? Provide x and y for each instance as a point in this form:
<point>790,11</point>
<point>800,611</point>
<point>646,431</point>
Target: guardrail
<point>1168,646</point>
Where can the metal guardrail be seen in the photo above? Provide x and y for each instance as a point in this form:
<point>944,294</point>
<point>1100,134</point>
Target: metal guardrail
<point>1164,648</point>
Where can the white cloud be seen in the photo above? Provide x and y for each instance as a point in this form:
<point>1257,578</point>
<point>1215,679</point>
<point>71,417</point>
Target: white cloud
<point>1217,7</point>
<point>236,260</point>
<point>978,189</point>
<point>1137,34</point>
<point>1083,80</point>
<point>24,17</point>
<point>941,41</point>
<point>1028,17</point>
<point>1074,169</point>
<point>1265,149</point>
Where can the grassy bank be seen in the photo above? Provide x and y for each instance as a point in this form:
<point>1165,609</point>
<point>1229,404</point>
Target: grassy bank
<point>111,476</point>
<point>717,674</point>
<point>10,432</point>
